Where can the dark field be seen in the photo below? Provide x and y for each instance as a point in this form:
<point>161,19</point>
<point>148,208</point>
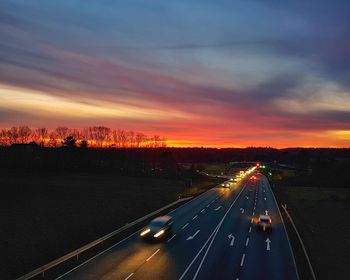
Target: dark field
<point>322,218</point>
<point>44,216</point>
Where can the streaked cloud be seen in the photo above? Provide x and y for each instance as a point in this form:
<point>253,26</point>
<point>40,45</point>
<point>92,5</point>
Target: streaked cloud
<point>206,73</point>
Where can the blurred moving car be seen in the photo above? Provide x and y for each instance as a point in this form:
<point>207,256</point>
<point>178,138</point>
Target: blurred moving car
<point>253,178</point>
<point>225,185</point>
<point>264,222</point>
<point>158,228</point>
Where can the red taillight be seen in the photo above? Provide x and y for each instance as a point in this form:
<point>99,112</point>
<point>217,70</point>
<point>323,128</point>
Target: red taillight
<point>258,220</point>
<point>270,221</point>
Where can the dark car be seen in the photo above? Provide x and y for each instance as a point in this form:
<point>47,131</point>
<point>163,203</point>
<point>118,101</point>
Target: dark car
<point>158,228</point>
<point>264,222</point>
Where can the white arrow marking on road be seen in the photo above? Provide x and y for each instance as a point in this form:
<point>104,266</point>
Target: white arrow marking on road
<point>233,239</point>
<point>268,241</point>
<point>193,236</point>
<point>216,209</point>
<point>247,197</point>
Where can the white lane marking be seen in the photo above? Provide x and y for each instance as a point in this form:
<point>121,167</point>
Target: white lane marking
<point>264,198</point>
<point>268,241</point>
<point>202,210</point>
<point>195,217</point>
<point>250,229</point>
<point>171,238</point>
<point>254,207</point>
<point>193,236</point>
<point>242,210</point>
<point>151,256</point>
<point>242,260</point>
<point>233,239</point>
<point>253,213</point>
<point>247,197</point>
<point>212,236</point>
<point>247,241</point>
<point>216,209</point>
<point>185,226</point>
<point>208,205</point>
<point>131,274</point>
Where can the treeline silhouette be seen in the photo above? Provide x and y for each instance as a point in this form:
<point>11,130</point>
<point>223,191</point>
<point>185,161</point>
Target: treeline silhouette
<point>168,162</point>
<point>96,136</point>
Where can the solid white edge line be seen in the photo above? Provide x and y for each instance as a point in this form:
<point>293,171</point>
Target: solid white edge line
<point>131,274</point>
<point>217,230</point>
<point>150,257</point>
<point>104,251</point>
<point>247,241</point>
<point>285,230</point>
<point>205,244</point>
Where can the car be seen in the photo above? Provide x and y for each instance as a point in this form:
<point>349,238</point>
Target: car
<point>233,180</point>
<point>225,185</point>
<point>253,178</point>
<point>158,228</point>
<point>264,222</point>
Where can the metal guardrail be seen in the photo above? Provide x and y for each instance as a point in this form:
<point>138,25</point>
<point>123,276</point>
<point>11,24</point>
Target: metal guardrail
<point>301,242</point>
<point>75,253</point>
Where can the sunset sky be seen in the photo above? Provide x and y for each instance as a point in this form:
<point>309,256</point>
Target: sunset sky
<point>200,73</point>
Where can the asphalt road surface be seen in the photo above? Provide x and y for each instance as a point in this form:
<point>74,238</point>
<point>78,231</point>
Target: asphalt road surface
<point>214,237</point>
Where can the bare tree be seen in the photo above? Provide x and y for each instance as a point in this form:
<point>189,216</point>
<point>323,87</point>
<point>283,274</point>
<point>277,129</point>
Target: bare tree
<point>140,138</point>
<point>62,132</point>
<point>98,136</point>
<point>13,135</point>
<point>53,139</point>
<point>24,133</point>
<point>41,133</point>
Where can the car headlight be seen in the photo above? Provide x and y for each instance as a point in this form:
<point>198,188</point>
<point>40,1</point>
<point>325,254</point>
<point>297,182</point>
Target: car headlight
<point>145,232</point>
<point>159,233</point>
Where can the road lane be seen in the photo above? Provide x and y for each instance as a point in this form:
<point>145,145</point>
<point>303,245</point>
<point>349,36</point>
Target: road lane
<point>278,261</point>
<point>129,256</point>
<point>213,238</point>
<point>249,257</point>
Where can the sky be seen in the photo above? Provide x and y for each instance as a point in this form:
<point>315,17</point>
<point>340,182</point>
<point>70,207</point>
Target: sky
<point>200,73</point>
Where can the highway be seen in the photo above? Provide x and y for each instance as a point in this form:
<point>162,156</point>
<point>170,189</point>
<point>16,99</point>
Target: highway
<point>214,237</point>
